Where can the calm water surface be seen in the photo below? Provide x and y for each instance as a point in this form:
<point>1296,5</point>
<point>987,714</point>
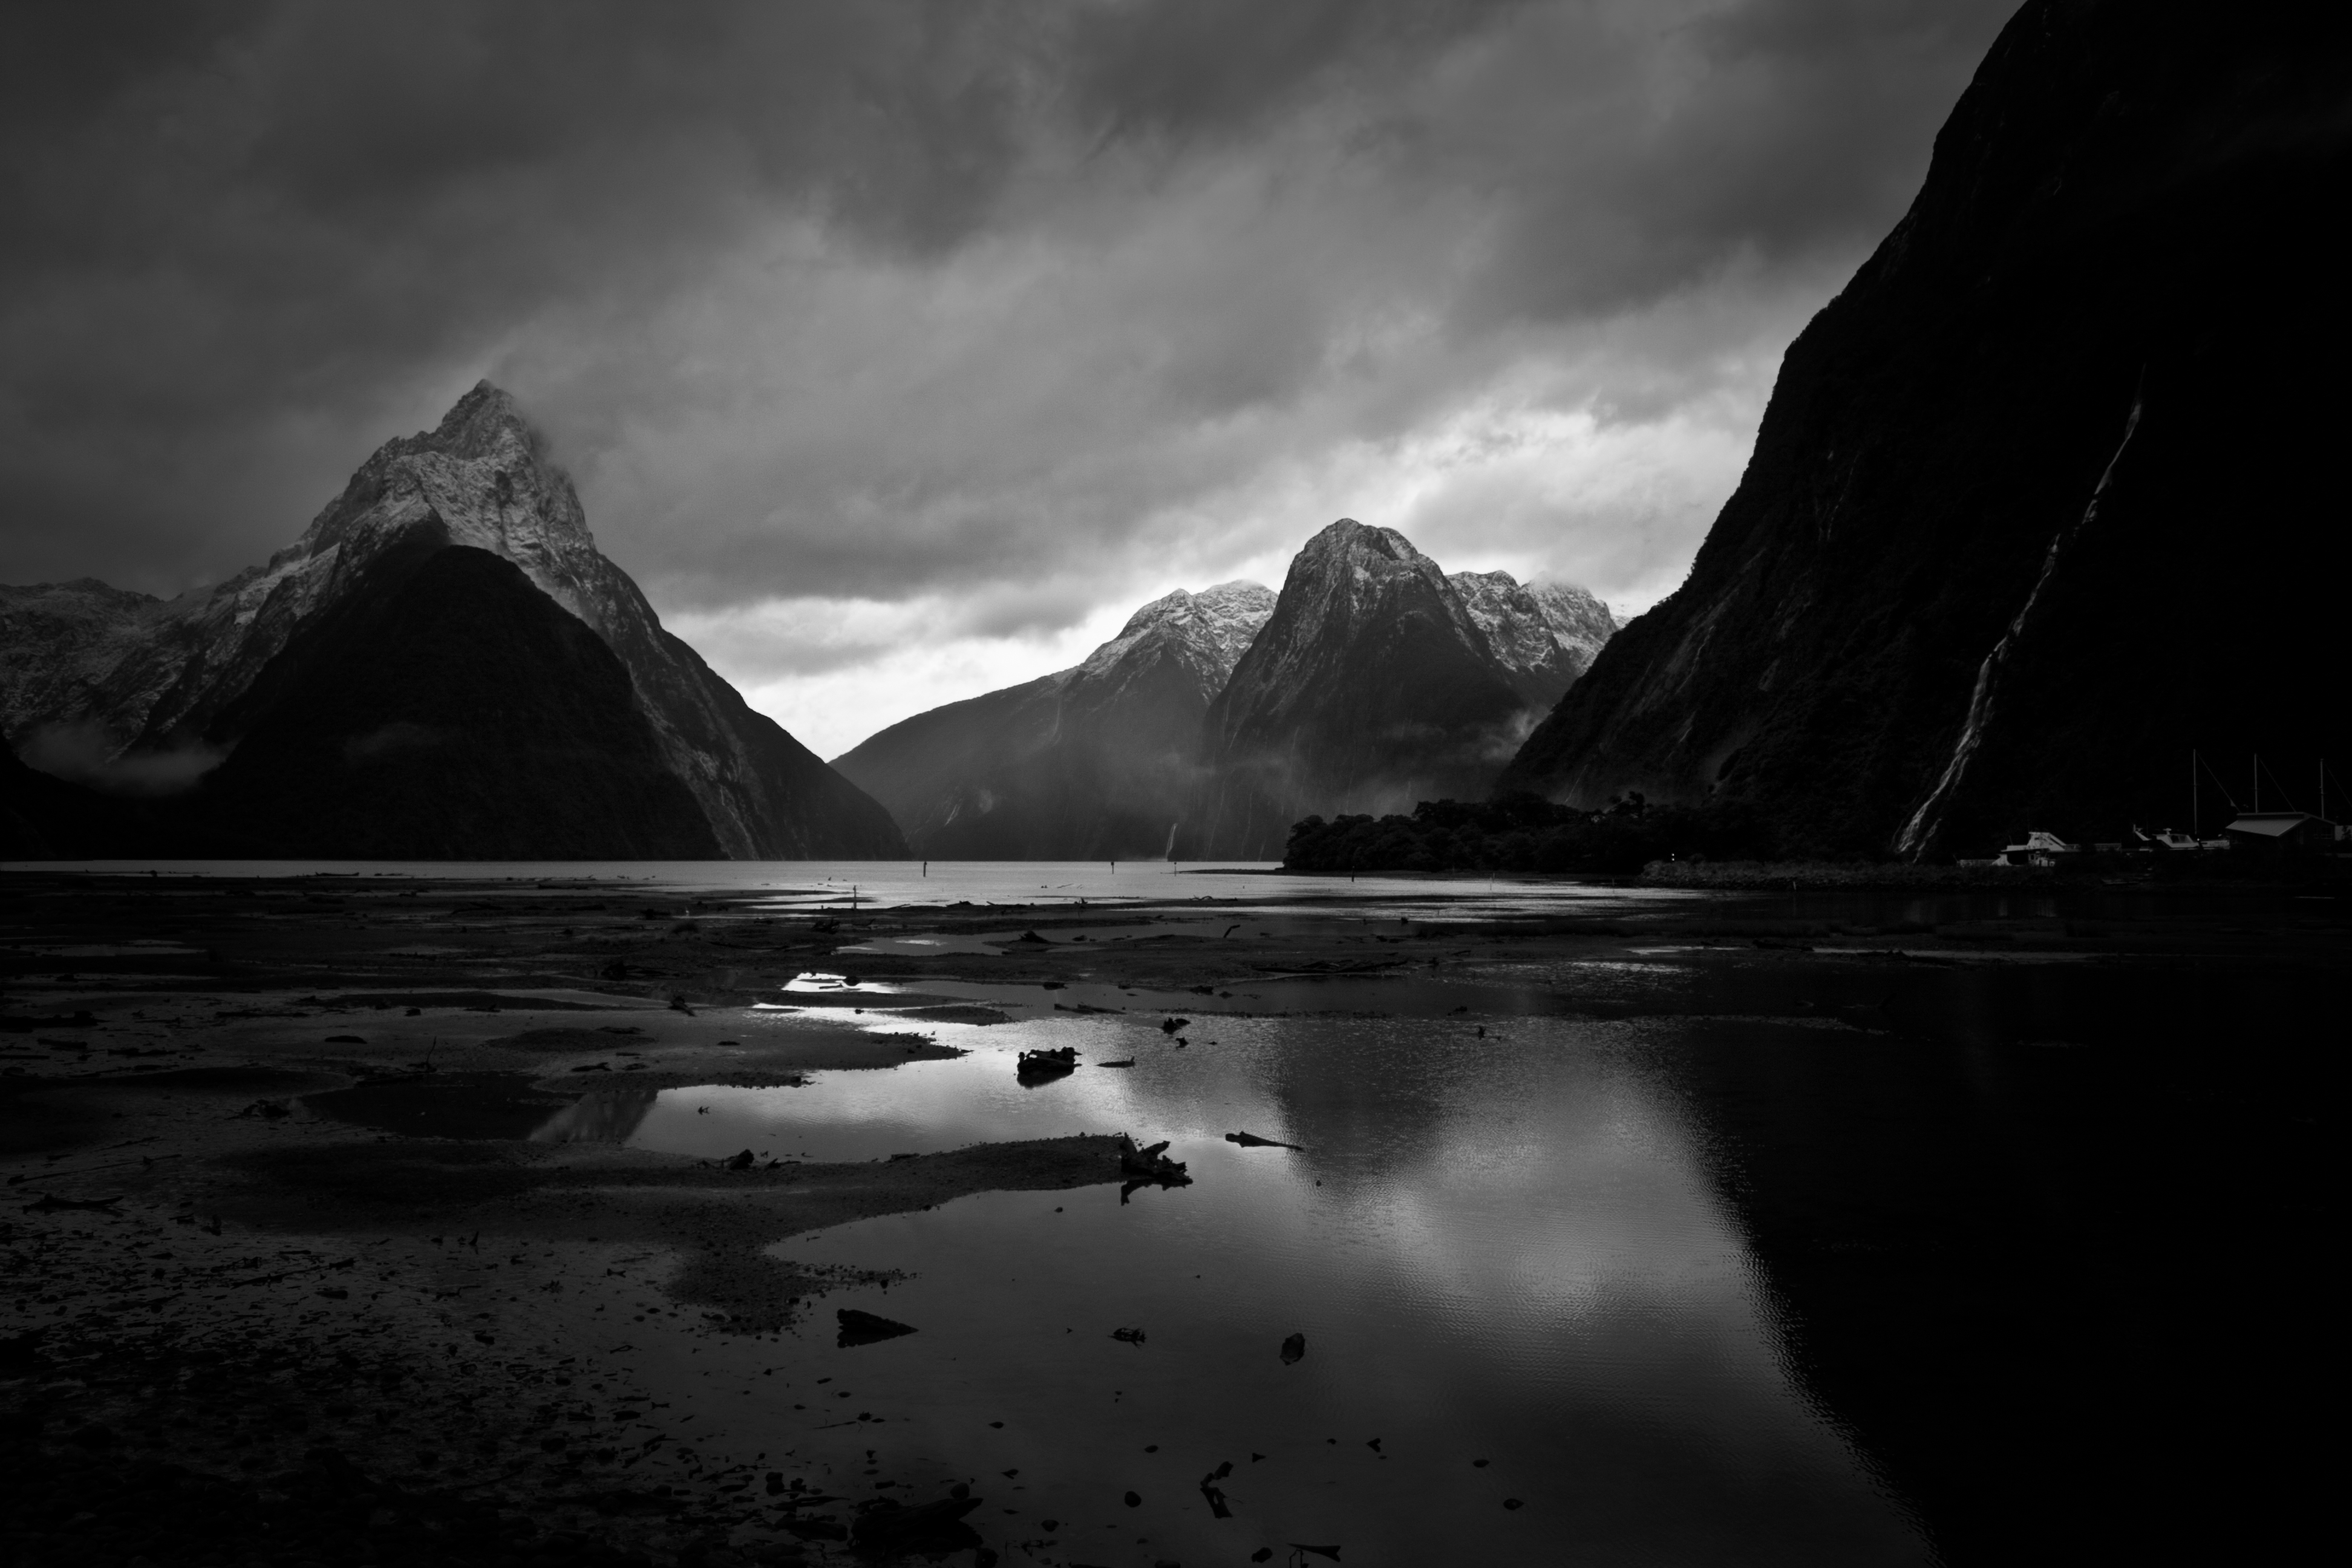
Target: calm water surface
<point>1504,1248</point>
<point>1801,1257</point>
<point>832,886</point>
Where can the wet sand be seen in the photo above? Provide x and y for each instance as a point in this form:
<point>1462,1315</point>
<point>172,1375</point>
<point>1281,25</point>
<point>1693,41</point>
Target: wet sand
<point>285,1261</point>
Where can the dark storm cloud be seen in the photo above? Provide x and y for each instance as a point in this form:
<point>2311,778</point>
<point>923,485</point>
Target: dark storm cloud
<point>881,297</point>
<point>1800,128</point>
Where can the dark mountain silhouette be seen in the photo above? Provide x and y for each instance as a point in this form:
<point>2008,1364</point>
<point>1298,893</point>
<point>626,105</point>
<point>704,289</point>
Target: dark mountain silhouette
<point>2049,494</point>
<point>1372,684</point>
<point>46,818</point>
<point>445,709</point>
<point>1092,762</point>
<point>136,695</point>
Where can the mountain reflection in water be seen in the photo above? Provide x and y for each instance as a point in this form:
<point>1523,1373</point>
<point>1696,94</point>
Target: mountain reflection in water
<point>1821,1260</point>
<point>1506,1248</point>
<point>605,1116</point>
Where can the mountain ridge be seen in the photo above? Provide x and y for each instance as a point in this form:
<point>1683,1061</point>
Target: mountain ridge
<point>2053,400</point>
<point>135,682</point>
<point>1088,762</point>
<point>1372,684</point>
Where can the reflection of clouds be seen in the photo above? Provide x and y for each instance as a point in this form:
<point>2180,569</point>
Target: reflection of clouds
<point>1540,1171</point>
<point>1558,1182</point>
<point>607,1116</point>
<point>920,1107</point>
<point>1515,1249</point>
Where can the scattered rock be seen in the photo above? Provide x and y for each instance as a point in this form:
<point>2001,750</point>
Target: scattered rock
<point>1035,1067</point>
<point>866,1328</point>
<point>1294,1351</point>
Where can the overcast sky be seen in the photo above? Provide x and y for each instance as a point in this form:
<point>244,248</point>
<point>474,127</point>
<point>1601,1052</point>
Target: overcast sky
<point>901,349</point>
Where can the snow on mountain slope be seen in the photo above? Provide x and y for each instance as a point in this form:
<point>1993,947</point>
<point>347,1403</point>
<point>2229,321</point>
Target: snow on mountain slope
<point>124,678</point>
<point>1372,684</point>
<point>1545,634</point>
<point>1092,762</point>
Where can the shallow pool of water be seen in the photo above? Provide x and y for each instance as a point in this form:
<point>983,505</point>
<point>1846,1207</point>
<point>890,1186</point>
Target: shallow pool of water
<point>1504,1249</point>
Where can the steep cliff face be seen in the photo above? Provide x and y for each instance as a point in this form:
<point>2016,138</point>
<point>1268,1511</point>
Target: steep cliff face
<point>1091,763</point>
<point>130,681</point>
<point>2044,498</point>
<point>1580,623</point>
<point>1371,686</point>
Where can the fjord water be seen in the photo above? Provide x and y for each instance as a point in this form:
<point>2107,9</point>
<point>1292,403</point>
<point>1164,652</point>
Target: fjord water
<point>1505,1249</point>
<point>823,886</point>
<point>1786,1251</point>
<point>1803,1257</point>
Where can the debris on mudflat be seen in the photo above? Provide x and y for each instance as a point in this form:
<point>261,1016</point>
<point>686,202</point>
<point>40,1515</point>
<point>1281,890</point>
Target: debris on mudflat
<point>267,1109</point>
<point>1030,938</point>
<point>1214,1493</point>
<point>1331,1552</point>
<point>742,1161</point>
<point>678,1005</point>
<point>1294,1351</point>
<point>1036,1066</point>
<point>1151,1165</point>
<point>1128,1063</point>
<point>1130,1336</point>
<point>1170,1026</point>
<point>1252,1141</point>
<point>866,1328</point>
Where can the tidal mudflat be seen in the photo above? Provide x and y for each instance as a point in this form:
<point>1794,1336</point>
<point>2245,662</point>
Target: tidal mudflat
<point>552,1217</point>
